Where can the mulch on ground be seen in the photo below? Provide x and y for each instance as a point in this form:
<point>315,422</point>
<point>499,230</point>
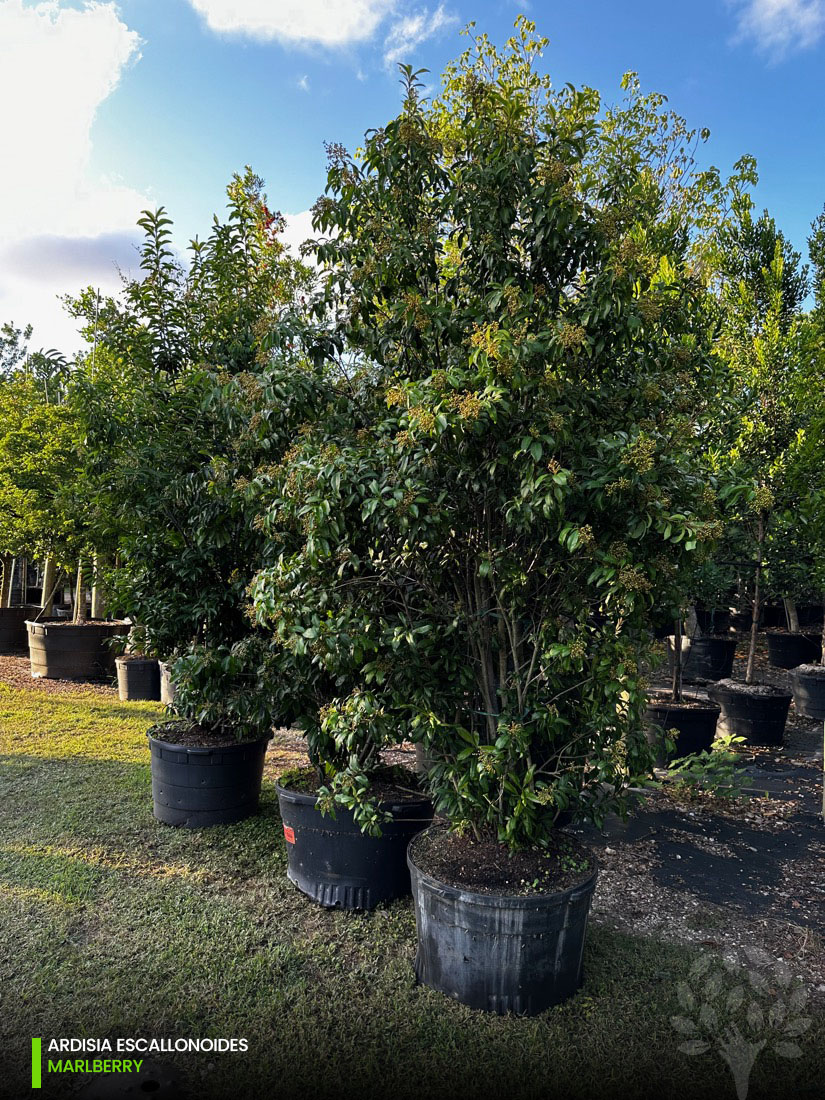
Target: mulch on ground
<point>728,875</point>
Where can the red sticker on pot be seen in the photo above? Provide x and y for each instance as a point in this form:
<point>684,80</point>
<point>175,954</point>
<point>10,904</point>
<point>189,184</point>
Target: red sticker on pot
<point>289,834</point>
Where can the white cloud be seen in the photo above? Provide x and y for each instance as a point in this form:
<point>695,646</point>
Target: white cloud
<point>303,83</point>
<point>410,31</point>
<point>303,22</point>
<point>779,27</point>
<point>57,65</point>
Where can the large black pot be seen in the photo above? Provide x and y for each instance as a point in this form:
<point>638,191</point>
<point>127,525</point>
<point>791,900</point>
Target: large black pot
<point>14,637</point>
<point>743,620</point>
<point>789,650</point>
<point>137,678</point>
<point>810,615</point>
<point>707,658</point>
<point>760,719</point>
<point>196,787</point>
<point>334,863</point>
<point>498,952</point>
<point>694,726</point>
<point>713,620</point>
<point>72,651</point>
<point>773,615</point>
<point>808,686</point>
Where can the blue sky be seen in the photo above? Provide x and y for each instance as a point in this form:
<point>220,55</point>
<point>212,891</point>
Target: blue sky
<point>109,108</point>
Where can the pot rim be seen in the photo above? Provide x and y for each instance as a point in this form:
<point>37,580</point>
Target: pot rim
<point>781,632</point>
<point>301,798</point>
<point>808,668</point>
<point>703,704</point>
<point>205,750</point>
<point>498,901</point>
<point>63,623</point>
<point>727,689</point>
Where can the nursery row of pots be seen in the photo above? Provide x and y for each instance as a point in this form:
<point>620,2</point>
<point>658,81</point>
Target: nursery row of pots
<point>756,712</point>
<point>60,649</point>
<point>502,952</point>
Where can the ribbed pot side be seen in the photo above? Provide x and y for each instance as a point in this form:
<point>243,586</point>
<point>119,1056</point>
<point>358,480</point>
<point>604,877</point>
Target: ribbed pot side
<point>500,953</point>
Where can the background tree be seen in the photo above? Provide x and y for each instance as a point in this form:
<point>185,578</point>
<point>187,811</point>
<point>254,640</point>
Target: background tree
<point>192,391</point>
<point>764,345</point>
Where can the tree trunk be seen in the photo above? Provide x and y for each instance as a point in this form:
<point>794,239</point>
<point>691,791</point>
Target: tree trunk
<point>677,663</point>
<point>80,596</point>
<point>8,575</point>
<point>98,603</point>
<point>50,579</point>
<point>757,598</point>
<point>791,616</point>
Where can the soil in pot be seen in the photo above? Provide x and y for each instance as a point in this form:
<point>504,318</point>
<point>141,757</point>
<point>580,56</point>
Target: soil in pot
<point>692,721</point>
<point>331,860</point>
<point>200,778</point>
<point>707,658</point>
<point>14,637</point>
<point>498,932</point>
<point>808,686</point>
<point>787,650</point>
<point>137,678</point>
<point>73,651</point>
<point>757,712</point>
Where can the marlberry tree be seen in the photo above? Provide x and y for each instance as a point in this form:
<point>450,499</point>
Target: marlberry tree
<point>518,276</point>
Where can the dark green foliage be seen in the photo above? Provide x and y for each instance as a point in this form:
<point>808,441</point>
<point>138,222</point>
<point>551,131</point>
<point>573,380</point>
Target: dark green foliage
<point>517,482</point>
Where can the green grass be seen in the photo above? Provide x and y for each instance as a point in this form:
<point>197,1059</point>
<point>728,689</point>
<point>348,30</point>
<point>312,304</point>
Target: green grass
<point>112,924</point>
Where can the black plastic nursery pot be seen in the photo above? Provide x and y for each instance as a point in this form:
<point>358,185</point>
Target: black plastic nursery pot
<point>693,722</point>
<point>14,637</point>
<point>713,620</point>
<point>786,650</point>
<point>808,686</point>
<point>706,658</point>
<point>137,678</point>
<point>196,787</point>
<point>742,620</point>
<point>72,651</point>
<point>757,712</point>
<point>334,863</point>
<point>496,952</point>
<point>811,615</point>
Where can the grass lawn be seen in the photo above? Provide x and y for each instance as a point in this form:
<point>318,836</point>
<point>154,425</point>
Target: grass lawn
<point>112,924</point>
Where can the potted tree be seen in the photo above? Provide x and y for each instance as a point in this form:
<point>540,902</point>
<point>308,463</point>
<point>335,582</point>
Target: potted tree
<point>197,390</point>
<point>807,482</point>
<point>349,817</point>
<point>138,674</point>
<point>207,761</point>
<point>763,343</point>
<point>49,501</point>
<point>791,572</point>
<point>13,616</point>
<point>512,494</point>
<point>688,722</point>
<point>33,465</point>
